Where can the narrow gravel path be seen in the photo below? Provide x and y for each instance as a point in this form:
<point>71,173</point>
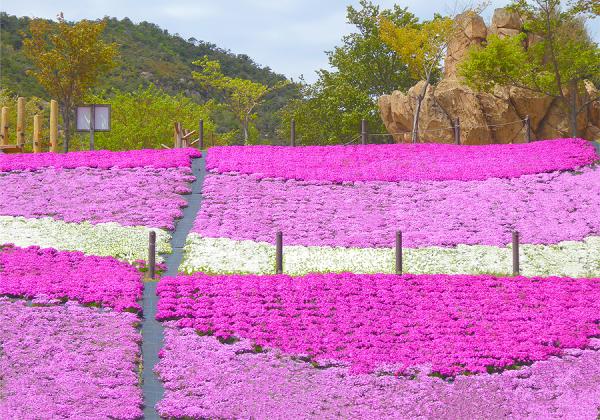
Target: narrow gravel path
<point>152,330</point>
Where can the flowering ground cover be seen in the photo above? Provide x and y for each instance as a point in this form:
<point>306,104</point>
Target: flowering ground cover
<point>130,197</point>
<point>128,243</point>
<point>227,256</point>
<point>205,378</point>
<point>402,162</point>
<point>68,361</point>
<point>453,324</point>
<point>102,159</point>
<point>35,273</point>
<point>544,208</point>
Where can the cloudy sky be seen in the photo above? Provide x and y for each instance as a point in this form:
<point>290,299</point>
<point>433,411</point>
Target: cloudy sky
<point>289,36</point>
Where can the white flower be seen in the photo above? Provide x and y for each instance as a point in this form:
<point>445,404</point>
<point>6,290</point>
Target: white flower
<point>223,255</point>
<point>127,243</point>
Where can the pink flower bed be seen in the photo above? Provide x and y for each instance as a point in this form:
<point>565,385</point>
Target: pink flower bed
<point>544,208</point>
<point>135,196</point>
<point>454,324</point>
<point>206,379</point>
<point>68,362</point>
<point>402,162</point>
<point>35,273</point>
<point>102,159</point>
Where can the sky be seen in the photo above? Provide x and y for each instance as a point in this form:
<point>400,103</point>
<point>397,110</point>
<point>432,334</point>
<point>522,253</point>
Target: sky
<point>289,36</point>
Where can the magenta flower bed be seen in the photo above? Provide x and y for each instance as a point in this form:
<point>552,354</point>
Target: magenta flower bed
<point>103,159</point>
<point>34,273</point>
<point>452,323</point>
<point>544,208</point>
<point>402,162</point>
<point>206,379</point>
<point>132,197</point>
<point>68,362</point>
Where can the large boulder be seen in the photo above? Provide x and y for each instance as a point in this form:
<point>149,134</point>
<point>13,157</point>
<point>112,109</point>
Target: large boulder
<point>471,31</point>
<point>485,118</point>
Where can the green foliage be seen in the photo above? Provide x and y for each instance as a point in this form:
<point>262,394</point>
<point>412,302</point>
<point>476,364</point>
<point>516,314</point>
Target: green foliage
<point>556,65</point>
<point>150,55</point>
<point>422,46</point>
<point>68,59</point>
<point>144,118</point>
<point>241,96</point>
<point>364,68</point>
<point>33,106</point>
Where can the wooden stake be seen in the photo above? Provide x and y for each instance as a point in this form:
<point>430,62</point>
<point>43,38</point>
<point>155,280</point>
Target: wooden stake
<point>37,146</point>
<point>152,254</point>
<point>363,131</point>
<point>398,252</point>
<point>53,126</point>
<point>515,252</point>
<point>4,127</point>
<point>279,253</point>
<point>20,121</point>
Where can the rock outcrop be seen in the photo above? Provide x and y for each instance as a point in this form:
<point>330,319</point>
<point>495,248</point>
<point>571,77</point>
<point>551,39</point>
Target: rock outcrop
<point>484,118</point>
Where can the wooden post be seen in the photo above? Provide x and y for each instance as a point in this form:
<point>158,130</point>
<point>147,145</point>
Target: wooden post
<point>20,121</point>
<point>363,131</point>
<point>4,127</point>
<point>398,252</point>
<point>527,129</point>
<point>53,126</point>
<point>457,131</point>
<point>279,253</point>
<point>201,135</point>
<point>152,254</point>
<point>515,253</point>
<point>293,133</point>
<point>37,147</point>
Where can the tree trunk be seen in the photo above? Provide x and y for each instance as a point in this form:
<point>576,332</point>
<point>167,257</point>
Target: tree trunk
<point>245,127</point>
<point>415,130</point>
<point>573,108</point>
<point>66,114</point>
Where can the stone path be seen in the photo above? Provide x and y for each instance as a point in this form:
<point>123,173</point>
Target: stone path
<point>152,330</point>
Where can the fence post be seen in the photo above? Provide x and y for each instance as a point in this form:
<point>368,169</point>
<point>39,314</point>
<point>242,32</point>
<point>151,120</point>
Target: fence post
<point>279,253</point>
<point>293,133</point>
<point>20,121</point>
<point>4,127</point>
<point>53,126</point>
<point>363,131</point>
<point>457,130</point>
<point>398,252</point>
<point>37,147</point>
<point>527,129</point>
<point>515,253</point>
<point>201,135</point>
<point>152,254</point>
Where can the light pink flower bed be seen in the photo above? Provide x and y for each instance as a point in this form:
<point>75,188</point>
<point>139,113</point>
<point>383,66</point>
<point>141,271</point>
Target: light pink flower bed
<point>68,361</point>
<point>208,379</point>
<point>544,208</point>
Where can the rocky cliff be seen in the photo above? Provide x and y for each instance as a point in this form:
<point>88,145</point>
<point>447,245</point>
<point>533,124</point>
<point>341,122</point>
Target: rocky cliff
<point>485,118</point>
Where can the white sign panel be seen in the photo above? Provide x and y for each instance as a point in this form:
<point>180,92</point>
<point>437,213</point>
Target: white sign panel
<point>101,117</point>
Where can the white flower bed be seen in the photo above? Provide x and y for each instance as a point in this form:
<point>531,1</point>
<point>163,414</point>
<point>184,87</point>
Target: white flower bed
<point>127,243</point>
<point>223,255</point>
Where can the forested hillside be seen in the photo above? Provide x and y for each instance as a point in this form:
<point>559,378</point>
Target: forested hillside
<point>148,54</point>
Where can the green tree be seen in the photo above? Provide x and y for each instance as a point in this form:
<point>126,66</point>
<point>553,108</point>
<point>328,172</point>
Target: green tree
<point>241,96</point>
<point>422,47</point>
<point>144,118</point>
<point>556,65</point>
<point>68,60</point>
<point>364,68</point>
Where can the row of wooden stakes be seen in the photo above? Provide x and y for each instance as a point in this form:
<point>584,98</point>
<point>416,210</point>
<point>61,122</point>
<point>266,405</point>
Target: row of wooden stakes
<point>19,145</point>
